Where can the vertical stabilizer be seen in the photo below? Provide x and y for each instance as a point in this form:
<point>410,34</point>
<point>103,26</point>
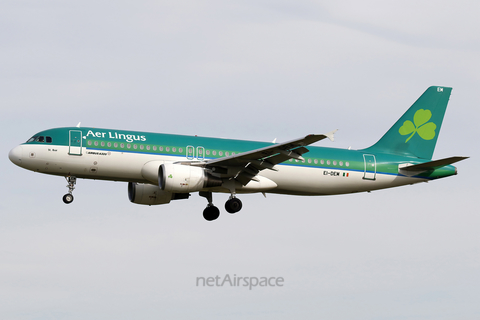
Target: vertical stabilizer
<point>415,134</point>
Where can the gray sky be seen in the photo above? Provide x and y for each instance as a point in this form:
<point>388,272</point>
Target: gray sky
<point>254,70</point>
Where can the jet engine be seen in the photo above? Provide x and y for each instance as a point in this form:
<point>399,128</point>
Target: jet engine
<point>149,194</point>
<point>184,178</point>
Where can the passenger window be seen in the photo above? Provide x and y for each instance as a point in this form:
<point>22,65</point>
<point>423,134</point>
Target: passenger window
<point>49,139</point>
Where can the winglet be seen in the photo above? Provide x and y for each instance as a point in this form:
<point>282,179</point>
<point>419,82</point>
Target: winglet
<point>330,135</point>
<point>78,125</point>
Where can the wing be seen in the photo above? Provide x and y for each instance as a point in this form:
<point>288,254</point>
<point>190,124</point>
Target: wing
<point>243,167</point>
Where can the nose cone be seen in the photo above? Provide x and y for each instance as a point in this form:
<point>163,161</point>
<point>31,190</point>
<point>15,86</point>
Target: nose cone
<point>15,155</point>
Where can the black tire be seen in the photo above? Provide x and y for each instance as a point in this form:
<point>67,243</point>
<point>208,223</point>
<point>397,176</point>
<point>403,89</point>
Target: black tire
<point>233,205</point>
<point>68,198</point>
<point>211,213</point>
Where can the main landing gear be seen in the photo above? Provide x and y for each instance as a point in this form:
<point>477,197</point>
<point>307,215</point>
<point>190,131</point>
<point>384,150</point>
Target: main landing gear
<point>68,198</point>
<point>233,205</point>
<point>211,212</point>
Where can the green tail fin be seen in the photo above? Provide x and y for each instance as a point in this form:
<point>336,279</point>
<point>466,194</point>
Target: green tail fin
<point>415,134</point>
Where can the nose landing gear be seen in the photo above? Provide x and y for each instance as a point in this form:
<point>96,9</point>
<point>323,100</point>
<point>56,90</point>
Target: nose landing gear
<point>68,198</point>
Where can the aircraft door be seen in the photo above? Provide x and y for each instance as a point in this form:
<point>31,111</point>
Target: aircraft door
<point>370,167</point>
<point>75,143</point>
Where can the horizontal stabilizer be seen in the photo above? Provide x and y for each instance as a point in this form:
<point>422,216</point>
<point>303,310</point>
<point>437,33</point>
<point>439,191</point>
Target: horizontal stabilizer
<point>431,165</point>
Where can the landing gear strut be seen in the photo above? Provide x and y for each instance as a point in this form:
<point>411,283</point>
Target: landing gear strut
<point>68,198</point>
<point>211,212</point>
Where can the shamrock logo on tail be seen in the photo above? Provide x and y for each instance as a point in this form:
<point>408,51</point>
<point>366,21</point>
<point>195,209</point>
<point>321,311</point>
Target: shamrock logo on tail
<point>425,130</point>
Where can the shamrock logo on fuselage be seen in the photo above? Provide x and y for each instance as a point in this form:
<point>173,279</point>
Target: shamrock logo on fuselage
<point>425,130</point>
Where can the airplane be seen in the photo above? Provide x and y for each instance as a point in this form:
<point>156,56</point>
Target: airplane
<point>160,168</point>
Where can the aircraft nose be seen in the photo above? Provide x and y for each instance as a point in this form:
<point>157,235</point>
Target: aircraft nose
<point>15,155</point>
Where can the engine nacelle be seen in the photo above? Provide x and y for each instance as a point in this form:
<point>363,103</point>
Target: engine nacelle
<point>149,194</point>
<point>184,178</point>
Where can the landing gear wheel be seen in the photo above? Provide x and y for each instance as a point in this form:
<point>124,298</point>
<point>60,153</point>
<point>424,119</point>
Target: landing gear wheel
<point>211,213</point>
<point>68,198</point>
<point>233,205</point>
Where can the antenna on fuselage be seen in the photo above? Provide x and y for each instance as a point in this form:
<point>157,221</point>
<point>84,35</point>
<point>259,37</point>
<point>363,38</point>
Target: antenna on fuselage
<point>78,125</point>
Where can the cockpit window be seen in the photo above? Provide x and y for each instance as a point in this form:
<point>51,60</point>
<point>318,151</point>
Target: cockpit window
<point>40,139</point>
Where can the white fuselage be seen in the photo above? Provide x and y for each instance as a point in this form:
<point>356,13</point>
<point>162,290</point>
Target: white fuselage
<point>133,167</point>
